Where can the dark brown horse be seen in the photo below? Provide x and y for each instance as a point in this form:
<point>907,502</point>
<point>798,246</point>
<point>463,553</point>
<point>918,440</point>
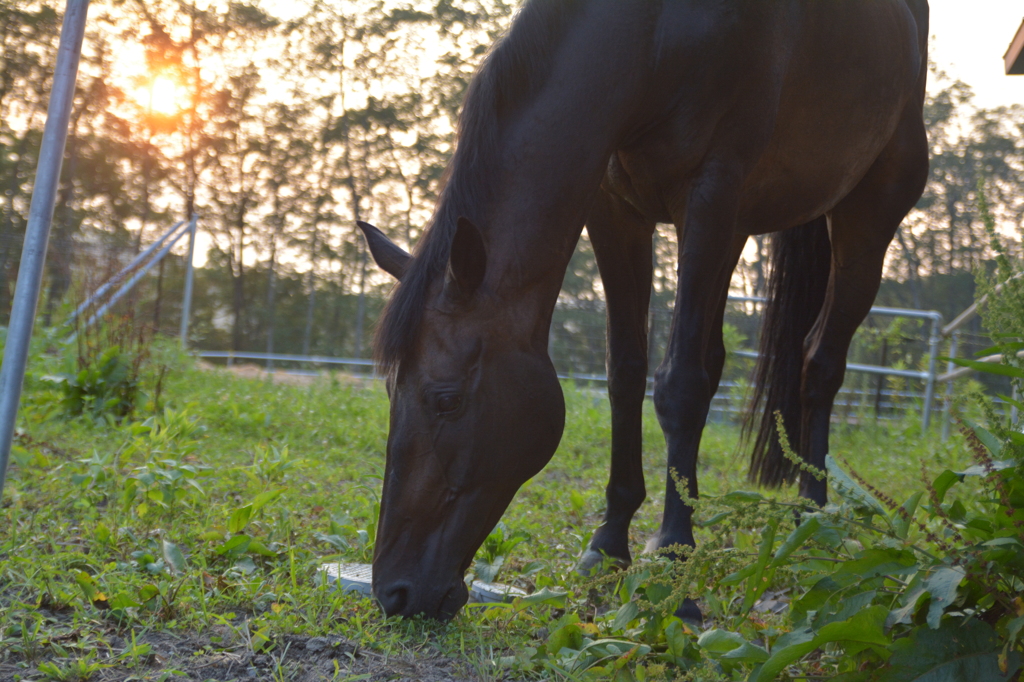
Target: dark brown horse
<point>728,119</point>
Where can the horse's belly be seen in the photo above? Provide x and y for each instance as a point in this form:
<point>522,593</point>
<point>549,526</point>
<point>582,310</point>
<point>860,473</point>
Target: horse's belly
<point>779,194</point>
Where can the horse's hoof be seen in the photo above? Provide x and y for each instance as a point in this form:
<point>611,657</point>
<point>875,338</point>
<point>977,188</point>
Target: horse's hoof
<point>690,613</point>
<point>593,563</point>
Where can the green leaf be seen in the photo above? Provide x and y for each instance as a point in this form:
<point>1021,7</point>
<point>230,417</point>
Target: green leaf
<point>738,576</point>
<point>910,600</point>
<point>240,519</point>
<point>569,636</point>
<point>842,608</point>
<point>982,470</point>
<point>677,640</point>
<point>487,571</point>
<point>850,490</point>
<point>545,596</point>
<point>717,518</point>
<point>1013,403</point>
<point>235,546</point>
<point>263,499</point>
<point>865,628</point>
<point>657,592</point>
<point>991,368</point>
<point>942,584</point>
<point>631,583</point>
<point>901,521</point>
<point>626,614</point>
<point>747,653</point>
<point>994,445</point>
<point>148,592</point>
<point>796,539</point>
<point>718,642</point>
<point>87,584</point>
<point>102,534</point>
<point>1008,347</point>
<point>123,601</point>
<point>957,511</point>
<point>173,557</point>
<point>742,496</point>
<point>957,652</point>
<point>943,483</point>
<point>1014,627</point>
<point>874,563</point>
<point>814,600</point>
<point>257,547</point>
<point>758,583</point>
<point>789,648</point>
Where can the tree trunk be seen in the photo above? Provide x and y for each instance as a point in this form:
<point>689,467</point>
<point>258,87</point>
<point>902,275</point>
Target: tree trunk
<point>238,277</point>
<point>271,296</point>
<point>307,336</point>
<point>361,309</point>
<point>59,256</point>
<point>7,236</point>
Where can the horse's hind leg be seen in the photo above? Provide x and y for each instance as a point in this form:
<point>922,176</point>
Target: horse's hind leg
<point>714,355</point>
<point>622,245</point>
<point>861,226</point>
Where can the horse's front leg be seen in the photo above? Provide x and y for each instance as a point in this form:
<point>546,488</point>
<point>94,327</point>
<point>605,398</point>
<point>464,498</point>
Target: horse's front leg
<point>622,244</point>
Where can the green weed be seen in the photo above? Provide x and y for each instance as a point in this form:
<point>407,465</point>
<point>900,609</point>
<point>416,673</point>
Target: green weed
<point>214,515</point>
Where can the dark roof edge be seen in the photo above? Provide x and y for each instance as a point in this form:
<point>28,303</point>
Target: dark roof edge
<point>1014,57</point>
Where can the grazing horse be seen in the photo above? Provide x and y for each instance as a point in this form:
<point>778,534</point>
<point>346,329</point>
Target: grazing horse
<point>728,119</point>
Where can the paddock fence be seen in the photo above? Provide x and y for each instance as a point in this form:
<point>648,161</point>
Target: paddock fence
<point>893,367</point>
<point>891,373</point>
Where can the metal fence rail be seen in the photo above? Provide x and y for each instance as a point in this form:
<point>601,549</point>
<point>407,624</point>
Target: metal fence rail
<point>139,274</point>
<point>725,402</point>
<point>231,356</point>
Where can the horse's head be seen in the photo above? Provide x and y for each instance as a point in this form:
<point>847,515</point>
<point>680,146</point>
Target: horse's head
<point>476,410</point>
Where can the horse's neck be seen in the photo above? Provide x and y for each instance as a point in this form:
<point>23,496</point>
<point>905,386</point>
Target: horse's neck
<point>553,149</point>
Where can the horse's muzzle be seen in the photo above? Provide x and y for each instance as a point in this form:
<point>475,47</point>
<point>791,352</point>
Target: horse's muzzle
<point>406,598</point>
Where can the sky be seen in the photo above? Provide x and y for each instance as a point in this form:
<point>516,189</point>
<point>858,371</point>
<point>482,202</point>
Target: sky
<point>970,38</point>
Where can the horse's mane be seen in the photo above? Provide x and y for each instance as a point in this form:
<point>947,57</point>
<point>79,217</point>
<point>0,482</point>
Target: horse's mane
<point>516,68</point>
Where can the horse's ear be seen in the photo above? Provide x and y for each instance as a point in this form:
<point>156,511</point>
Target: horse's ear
<point>468,260</point>
<point>391,258</point>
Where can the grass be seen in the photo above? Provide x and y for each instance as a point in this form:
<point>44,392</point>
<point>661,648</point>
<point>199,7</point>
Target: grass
<point>208,520</point>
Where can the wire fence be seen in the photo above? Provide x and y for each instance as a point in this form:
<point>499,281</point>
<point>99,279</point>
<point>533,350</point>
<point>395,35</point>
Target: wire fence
<point>890,358</point>
<point>893,369</point>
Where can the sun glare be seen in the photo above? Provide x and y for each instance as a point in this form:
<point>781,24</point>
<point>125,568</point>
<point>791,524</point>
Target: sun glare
<point>163,95</point>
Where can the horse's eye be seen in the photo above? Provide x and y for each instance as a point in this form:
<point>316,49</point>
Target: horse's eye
<point>448,403</point>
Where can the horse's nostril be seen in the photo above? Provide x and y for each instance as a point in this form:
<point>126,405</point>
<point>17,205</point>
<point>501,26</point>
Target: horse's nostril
<point>394,598</point>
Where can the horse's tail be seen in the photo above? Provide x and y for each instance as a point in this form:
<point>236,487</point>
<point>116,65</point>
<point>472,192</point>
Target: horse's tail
<point>800,263</point>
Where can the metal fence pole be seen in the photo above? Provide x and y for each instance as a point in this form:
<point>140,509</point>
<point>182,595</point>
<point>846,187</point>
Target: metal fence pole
<point>186,301</point>
<point>113,281</point>
<point>37,232</point>
<point>954,347</point>
<point>933,357</point>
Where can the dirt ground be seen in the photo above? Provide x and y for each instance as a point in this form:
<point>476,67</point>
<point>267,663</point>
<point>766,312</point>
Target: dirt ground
<point>283,377</point>
<point>293,658</point>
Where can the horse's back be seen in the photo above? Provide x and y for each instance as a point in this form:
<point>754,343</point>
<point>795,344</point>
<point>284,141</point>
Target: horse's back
<point>806,93</point>
<point>856,72</point>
